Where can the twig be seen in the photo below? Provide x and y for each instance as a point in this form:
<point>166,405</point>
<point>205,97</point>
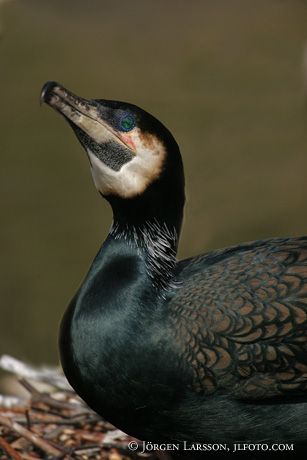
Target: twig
<point>9,449</point>
<point>86,450</point>
<point>55,423</point>
<point>28,419</point>
<point>39,397</point>
<point>51,376</point>
<point>27,385</point>
<point>9,401</point>
<point>29,457</point>
<point>32,437</point>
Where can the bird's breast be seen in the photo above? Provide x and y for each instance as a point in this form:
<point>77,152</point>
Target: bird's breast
<point>122,366</point>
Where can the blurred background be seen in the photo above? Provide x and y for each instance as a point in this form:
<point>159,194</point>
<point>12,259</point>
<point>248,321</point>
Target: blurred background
<point>227,78</point>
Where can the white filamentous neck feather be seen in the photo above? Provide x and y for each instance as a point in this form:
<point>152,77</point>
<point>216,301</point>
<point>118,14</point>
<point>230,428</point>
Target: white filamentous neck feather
<point>160,245</point>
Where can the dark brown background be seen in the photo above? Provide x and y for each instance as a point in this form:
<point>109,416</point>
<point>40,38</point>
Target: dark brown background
<point>224,75</point>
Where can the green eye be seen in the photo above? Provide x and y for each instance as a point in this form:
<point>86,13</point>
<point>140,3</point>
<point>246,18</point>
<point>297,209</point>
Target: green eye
<point>127,123</point>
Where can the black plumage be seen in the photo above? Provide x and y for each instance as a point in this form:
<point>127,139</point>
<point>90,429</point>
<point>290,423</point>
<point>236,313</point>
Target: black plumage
<point>208,349</point>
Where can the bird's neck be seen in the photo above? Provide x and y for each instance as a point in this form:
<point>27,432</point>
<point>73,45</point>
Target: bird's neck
<point>149,225</point>
<point>156,243</point>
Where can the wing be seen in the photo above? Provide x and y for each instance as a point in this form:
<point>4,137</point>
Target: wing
<point>240,318</point>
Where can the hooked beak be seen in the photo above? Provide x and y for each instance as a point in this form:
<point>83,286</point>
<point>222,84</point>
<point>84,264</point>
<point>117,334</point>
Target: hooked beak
<point>82,113</point>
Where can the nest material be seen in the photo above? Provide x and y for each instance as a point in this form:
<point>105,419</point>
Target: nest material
<point>56,424</point>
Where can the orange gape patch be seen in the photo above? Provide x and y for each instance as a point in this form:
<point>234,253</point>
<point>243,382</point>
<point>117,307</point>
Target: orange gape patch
<point>128,141</point>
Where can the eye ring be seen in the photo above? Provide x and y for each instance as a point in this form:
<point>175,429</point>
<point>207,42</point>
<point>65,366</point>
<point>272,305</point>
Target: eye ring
<point>127,122</point>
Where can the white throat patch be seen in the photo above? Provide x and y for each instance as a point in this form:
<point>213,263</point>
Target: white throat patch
<point>135,175</point>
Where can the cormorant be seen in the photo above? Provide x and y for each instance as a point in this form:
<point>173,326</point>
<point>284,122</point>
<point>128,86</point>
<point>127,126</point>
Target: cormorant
<point>207,349</point>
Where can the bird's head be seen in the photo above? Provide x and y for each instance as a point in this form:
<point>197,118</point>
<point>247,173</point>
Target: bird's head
<point>133,157</point>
